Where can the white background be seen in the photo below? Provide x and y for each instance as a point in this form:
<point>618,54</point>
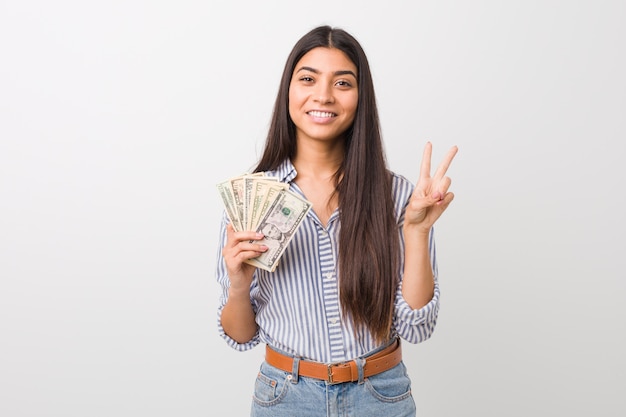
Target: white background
<point>118,118</point>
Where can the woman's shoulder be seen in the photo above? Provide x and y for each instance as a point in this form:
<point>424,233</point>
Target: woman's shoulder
<point>400,183</point>
<point>401,190</point>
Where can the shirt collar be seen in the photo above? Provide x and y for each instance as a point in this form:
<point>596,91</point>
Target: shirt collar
<point>285,172</point>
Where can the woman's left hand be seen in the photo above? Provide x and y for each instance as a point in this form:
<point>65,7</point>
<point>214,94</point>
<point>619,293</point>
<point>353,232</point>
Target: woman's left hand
<point>430,197</point>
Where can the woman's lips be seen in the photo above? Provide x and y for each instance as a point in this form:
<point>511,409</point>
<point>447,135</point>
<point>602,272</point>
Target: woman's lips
<point>321,116</point>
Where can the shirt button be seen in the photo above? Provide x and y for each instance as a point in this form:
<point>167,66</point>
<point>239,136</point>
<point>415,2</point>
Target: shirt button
<point>329,275</point>
<point>333,321</point>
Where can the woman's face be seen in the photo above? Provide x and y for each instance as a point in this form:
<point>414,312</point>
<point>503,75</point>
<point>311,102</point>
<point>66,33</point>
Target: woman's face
<point>323,94</point>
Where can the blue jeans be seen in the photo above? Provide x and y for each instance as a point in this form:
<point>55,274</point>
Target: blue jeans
<point>278,393</point>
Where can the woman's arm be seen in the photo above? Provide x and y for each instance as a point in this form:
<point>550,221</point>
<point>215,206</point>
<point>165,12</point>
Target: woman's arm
<point>418,281</point>
<point>428,201</point>
<point>238,317</point>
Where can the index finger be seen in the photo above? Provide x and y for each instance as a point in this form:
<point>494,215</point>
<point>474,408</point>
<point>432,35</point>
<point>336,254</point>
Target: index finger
<point>445,164</point>
<point>425,166</point>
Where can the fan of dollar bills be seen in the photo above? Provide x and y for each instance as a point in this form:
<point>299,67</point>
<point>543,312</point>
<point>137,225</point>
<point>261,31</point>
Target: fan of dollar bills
<point>263,204</point>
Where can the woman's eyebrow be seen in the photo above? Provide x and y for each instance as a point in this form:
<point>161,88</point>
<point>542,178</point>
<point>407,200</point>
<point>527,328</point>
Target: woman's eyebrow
<point>345,72</point>
<point>315,71</point>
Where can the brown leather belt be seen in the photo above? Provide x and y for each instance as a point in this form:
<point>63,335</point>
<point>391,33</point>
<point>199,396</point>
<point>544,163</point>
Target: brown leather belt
<point>338,372</point>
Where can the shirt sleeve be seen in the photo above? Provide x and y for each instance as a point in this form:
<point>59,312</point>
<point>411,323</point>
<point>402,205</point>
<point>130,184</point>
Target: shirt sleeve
<point>416,326</point>
<point>224,285</point>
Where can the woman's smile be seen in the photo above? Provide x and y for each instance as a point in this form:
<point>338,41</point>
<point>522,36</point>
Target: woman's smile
<point>321,116</point>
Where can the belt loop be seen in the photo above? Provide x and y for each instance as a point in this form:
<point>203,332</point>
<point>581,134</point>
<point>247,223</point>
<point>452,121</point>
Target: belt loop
<point>360,366</point>
<point>295,370</point>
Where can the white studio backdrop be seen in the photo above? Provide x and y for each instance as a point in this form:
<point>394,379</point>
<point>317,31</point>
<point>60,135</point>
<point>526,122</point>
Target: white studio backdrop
<point>118,118</point>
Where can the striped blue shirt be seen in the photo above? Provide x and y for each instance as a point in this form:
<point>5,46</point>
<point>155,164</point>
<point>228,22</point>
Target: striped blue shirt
<point>297,306</point>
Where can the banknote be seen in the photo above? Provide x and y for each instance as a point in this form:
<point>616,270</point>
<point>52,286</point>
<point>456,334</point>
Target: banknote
<point>262,195</point>
<point>226,193</point>
<point>255,193</point>
<point>278,225</point>
<point>261,203</point>
<point>236,186</point>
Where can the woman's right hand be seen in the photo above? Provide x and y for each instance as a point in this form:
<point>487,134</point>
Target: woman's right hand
<point>237,250</point>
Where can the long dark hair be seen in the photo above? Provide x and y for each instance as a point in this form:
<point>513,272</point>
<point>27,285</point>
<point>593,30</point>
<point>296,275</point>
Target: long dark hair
<point>368,237</point>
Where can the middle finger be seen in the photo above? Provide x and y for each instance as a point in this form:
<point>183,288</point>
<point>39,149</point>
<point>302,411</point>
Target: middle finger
<point>445,164</point>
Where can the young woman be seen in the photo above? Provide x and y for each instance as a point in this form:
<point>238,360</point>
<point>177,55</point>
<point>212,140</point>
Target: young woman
<point>360,273</point>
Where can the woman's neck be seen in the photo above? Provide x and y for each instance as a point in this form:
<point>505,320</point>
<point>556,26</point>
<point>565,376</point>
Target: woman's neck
<point>317,167</point>
<point>318,160</point>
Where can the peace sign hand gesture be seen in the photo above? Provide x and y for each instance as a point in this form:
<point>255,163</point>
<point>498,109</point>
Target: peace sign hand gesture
<point>430,197</point>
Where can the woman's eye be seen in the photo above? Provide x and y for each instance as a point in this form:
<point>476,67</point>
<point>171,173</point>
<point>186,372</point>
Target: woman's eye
<point>306,79</point>
<point>344,83</point>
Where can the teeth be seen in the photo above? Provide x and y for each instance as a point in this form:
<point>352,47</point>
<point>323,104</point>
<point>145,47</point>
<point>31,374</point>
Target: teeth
<point>321,114</point>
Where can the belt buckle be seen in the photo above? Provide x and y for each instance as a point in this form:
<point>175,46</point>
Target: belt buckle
<point>329,369</point>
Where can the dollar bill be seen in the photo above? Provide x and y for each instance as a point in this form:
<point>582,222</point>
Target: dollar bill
<point>278,225</point>
<point>263,194</point>
<point>252,196</point>
<point>226,193</point>
<point>236,186</point>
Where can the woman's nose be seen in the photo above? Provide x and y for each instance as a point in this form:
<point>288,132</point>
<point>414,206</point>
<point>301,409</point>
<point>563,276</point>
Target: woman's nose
<point>324,94</point>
